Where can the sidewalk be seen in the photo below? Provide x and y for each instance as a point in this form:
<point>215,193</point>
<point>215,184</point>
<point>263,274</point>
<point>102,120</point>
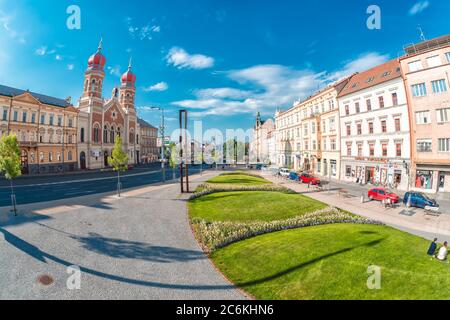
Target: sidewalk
<point>412,220</point>
<point>137,247</point>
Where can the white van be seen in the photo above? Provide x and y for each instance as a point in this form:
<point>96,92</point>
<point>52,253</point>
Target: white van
<point>284,172</point>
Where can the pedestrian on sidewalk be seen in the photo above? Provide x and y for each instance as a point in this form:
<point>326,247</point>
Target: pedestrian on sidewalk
<point>433,246</point>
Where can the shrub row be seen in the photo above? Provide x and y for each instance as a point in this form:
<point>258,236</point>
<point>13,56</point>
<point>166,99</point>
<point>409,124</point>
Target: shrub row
<point>215,235</point>
<point>210,188</point>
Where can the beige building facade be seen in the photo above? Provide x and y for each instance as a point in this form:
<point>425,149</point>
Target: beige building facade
<point>426,73</point>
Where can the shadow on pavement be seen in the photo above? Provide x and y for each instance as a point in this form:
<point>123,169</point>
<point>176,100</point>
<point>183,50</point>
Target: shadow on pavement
<point>42,256</point>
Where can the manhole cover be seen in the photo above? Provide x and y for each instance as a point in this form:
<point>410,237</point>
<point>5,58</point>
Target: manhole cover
<point>45,280</point>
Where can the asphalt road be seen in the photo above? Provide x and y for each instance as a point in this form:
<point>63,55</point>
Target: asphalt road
<point>42,189</point>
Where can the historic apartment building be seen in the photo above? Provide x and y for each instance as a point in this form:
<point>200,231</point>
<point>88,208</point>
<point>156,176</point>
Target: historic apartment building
<point>101,120</point>
<point>288,138</point>
<point>426,72</point>
<point>263,145</point>
<point>309,135</point>
<point>148,142</point>
<point>46,128</point>
<point>375,129</point>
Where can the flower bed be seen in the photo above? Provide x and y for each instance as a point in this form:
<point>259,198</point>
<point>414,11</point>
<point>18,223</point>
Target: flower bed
<point>215,235</point>
<point>210,188</point>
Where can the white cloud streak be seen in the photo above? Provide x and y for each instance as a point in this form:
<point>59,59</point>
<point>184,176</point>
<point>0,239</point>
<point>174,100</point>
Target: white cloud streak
<point>271,87</point>
<point>418,7</point>
<point>161,86</point>
<point>180,59</point>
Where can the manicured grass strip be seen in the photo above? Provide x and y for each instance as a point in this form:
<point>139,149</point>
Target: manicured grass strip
<point>240,179</point>
<point>331,262</point>
<point>252,206</point>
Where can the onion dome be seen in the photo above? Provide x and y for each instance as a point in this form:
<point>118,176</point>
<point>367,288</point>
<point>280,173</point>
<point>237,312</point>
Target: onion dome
<point>97,60</point>
<point>129,77</point>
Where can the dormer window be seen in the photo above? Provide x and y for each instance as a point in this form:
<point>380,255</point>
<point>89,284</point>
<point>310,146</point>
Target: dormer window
<point>370,80</point>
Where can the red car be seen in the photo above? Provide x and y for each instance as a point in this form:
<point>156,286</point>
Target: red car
<point>381,194</point>
<point>307,178</point>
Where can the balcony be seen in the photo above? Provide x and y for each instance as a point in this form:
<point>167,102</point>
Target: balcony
<point>28,144</point>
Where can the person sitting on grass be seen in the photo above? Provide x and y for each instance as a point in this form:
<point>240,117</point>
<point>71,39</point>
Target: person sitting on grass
<point>443,252</point>
<point>433,246</point>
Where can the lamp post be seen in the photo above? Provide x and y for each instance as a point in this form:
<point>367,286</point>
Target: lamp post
<point>162,128</point>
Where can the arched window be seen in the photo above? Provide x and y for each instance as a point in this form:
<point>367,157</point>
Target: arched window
<point>118,132</point>
<point>112,137</point>
<point>82,135</point>
<point>105,134</point>
<point>96,133</point>
<point>41,157</point>
<point>132,136</point>
<point>93,86</point>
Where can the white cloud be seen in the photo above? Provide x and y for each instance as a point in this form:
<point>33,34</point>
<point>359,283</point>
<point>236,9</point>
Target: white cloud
<point>115,71</point>
<point>6,22</point>
<point>70,66</point>
<point>42,51</point>
<point>418,7</point>
<point>161,86</point>
<point>144,32</point>
<point>58,57</point>
<point>271,87</point>
<point>179,58</point>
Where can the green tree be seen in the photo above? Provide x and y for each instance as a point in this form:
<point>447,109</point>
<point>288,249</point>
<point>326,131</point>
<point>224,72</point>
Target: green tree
<point>119,161</point>
<point>10,164</point>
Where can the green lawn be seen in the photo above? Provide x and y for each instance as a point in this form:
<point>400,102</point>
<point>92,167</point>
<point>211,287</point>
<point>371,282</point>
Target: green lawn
<point>237,178</point>
<point>331,261</point>
<point>244,206</point>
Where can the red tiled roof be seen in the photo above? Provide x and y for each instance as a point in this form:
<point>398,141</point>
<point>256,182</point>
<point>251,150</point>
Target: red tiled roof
<point>375,76</point>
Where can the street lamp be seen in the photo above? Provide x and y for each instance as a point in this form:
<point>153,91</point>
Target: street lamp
<point>162,128</point>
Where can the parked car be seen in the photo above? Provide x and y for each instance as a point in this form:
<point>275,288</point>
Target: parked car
<point>294,176</point>
<point>284,172</point>
<point>381,194</point>
<point>307,178</point>
<point>419,200</point>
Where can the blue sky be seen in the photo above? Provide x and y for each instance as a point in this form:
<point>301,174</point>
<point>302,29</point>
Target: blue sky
<point>223,60</point>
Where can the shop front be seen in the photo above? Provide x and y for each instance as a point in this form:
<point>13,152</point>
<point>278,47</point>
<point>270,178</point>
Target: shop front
<point>431,179</point>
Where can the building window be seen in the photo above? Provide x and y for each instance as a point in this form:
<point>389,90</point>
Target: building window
<point>349,150</point>
<point>43,118</point>
<point>443,115</point>
<point>96,134</point>
<point>384,148</point>
<point>381,101</point>
<point>349,130</point>
<point>394,99</point>
<point>359,128</point>
<point>50,157</point>
<point>419,90</point>
<point>50,122</point>
<point>357,108</point>
<point>423,117</point>
<point>383,126</point>
<point>314,145</point>
<point>105,134</point>
<point>16,116</point>
<point>59,121</point>
<point>348,171</point>
<point>112,135</point>
<point>41,157</point>
<point>439,86</point>
<point>371,127</point>
<point>333,144</point>
<point>69,156</point>
<point>360,150</point>
<point>332,124</point>
<point>424,145</point>
<point>5,114</point>
<point>398,150</point>
<point>397,125</point>
<point>447,55</point>
<point>33,118</point>
<point>82,135</point>
<point>369,105</point>
<point>313,127</point>
<point>347,110</point>
<point>434,61</point>
<point>424,179</point>
<point>371,149</point>
<point>70,122</point>
<point>415,66</point>
<point>444,145</point>
<point>24,117</point>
